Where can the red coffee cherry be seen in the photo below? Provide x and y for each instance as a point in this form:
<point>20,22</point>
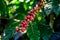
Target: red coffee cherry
<point>21,25</point>
<point>28,16</point>
<point>24,24</point>
<point>31,18</point>
<point>39,4</point>
<point>23,29</point>
<point>17,29</point>
<point>30,13</point>
<point>33,15</point>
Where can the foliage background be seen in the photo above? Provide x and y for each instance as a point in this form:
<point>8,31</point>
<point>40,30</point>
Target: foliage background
<point>12,12</point>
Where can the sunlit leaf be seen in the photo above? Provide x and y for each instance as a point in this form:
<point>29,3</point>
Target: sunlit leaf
<point>21,0</point>
<point>33,32</point>
<point>31,2</point>
<point>25,6</point>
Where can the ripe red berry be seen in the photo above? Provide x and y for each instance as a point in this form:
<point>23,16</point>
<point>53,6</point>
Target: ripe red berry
<point>30,13</point>
<point>21,25</point>
<point>26,22</point>
<point>25,26</point>
<point>31,18</point>
<point>23,29</point>
<point>39,4</point>
<point>33,15</point>
<point>17,29</point>
<point>28,16</point>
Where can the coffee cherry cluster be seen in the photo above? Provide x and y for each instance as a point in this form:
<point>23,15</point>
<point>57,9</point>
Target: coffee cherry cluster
<point>27,18</point>
<point>24,24</point>
<point>33,12</point>
<point>31,15</point>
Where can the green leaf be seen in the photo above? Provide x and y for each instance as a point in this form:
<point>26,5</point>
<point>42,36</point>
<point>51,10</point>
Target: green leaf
<point>25,6</point>
<point>31,2</point>
<point>45,31</point>
<point>17,7</point>
<point>15,2</point>
<point>33,32</point>
<point>10,30</point>
<point>45,37</point>
<point>3,9</point>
